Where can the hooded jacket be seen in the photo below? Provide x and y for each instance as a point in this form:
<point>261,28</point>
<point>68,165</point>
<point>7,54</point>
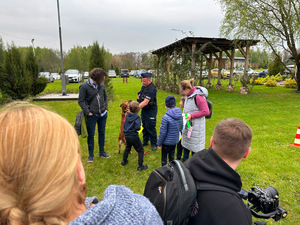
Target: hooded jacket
<point>132,125</point>
<point>171,125</point>
<point>120,206</point>
<point>91,99</point>
<point>217,207</point>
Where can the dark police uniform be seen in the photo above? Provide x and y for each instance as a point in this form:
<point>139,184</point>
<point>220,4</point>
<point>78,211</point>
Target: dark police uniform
<point>149,112</point>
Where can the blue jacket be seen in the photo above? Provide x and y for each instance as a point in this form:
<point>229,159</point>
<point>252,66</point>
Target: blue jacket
<point>132,125</point>
<point>171,125</point>
<point>120,206</point>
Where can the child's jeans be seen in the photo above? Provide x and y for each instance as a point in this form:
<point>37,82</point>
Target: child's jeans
<point>138,146</point>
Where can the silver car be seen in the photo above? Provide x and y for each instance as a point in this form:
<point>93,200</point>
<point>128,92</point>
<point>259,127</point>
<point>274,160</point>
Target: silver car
<point>112,74</point>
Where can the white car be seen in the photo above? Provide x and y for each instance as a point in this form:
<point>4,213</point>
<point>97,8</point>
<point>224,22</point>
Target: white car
<point>74,76</point>
<point>86,75</point>
<point>56,76</point>
<point>47,75</point>
<point>112,74</point>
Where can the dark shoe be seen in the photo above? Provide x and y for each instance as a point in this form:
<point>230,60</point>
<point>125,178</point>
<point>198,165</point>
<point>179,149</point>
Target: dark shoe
<point>104,155</point>
<point>90,160</point>
<point>123,163</point>
<point>142,167</point>
<point>145,144</point>
<point>154,148</point>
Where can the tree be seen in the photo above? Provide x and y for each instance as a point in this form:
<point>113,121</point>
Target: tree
<point>15,82</point>
<point>276,22</point>
<point>1,51</point>
<point>32,69</point>
<point>97,58</point>
<point>276,67</point>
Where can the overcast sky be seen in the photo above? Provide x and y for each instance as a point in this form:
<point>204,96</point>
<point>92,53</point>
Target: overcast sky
<point>120,25</point>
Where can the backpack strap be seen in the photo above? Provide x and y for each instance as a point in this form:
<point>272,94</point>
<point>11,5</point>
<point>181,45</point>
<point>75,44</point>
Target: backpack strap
<point>202,186</point>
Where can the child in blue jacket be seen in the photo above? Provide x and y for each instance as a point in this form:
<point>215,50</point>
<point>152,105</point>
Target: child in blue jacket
<point>171,125</point>
<point>131,127</point>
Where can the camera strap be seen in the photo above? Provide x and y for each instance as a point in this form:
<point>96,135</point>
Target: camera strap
<point>202,186</point>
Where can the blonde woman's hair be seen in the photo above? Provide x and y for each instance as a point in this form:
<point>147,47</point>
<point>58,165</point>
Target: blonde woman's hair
<point>38,166</point>
<point>187,84</point>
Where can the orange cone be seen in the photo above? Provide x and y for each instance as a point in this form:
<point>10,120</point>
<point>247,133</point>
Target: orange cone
<point>297,139</point>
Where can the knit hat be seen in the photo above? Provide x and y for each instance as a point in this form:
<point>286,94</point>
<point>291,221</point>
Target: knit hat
<point>170,101</point>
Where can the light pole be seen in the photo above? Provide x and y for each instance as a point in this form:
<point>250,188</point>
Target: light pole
<point>63,79</point>
<point>32,40</point>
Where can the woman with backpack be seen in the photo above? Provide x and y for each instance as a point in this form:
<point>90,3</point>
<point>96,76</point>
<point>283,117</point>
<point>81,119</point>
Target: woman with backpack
<point>195,108</point>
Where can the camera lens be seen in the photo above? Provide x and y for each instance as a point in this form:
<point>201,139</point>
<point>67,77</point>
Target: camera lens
<point>271,192</point>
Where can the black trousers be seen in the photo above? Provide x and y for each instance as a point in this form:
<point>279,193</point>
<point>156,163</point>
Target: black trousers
<point>138,146</point>
<point>167,150</point>
<point>179,150</point>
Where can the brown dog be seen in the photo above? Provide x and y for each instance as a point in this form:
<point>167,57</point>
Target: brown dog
<point>125,107</point>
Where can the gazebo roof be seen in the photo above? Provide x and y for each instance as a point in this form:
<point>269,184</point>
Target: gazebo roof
<point>206,45</point>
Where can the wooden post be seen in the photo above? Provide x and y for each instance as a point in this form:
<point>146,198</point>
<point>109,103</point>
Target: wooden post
<point>175,86</point>
<point>193,60</point>
<point>157,72</point>
<point>208,85</point>
<point>219,85</point>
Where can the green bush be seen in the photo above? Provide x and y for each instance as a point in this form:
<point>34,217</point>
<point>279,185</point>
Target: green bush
<point>290,83</point>
<point>39,85</point>
<point>271,83</point>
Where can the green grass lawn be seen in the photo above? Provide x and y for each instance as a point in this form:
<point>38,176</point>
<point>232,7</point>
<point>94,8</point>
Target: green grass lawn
<point>273,113</point>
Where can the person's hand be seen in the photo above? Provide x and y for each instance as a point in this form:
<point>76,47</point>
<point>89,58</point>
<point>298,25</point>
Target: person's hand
<point>159,147</point>
<point>90,114</point>
<point>188,116</point>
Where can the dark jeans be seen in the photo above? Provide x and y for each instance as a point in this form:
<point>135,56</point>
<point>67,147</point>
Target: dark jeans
<point>90,125</point>
<point>167,150</point>
<point>179,150</point>
<point>186,154</point>
<point>149,130</point>
<point>138,146</point>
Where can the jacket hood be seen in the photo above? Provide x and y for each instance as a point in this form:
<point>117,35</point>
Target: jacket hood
<point>206,166</point>
<point>175,113</point>
<point>132,116</point>
<point>200,91</point>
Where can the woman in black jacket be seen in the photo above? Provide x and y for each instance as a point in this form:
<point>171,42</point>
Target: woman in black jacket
<point>93,102</point>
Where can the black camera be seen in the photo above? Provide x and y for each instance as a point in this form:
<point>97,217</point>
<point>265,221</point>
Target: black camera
<point>265,201</point>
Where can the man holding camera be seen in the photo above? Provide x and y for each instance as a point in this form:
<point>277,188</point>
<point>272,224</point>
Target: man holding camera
<point>217,181</point>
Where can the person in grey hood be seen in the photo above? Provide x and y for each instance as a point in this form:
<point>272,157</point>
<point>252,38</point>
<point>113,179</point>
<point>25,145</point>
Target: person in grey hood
<point>131,127</point>
<point>93,102</point>
<point>171,125</point>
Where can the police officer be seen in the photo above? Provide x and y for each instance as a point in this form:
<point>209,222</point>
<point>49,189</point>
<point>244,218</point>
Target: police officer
<point>148,104</point>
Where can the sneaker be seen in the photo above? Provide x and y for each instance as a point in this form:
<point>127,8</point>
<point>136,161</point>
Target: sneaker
<point>142,167</point>
<point>123,163</point>
<point>90,160</point>
<point>104,155</point>
<point>154,148</point>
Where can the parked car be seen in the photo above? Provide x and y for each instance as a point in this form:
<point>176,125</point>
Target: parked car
<point>132,72</point>
<point>263,73</point>
<point>47,75</point>
<point>112,74</point>
<point>240,72</point>
<point>139,72</point>
<point>74,76</point>
<point>86,75</point>
<point>124,73</point>
<point>224,73</point>
<point>56,76</point>
<point>291,67</point>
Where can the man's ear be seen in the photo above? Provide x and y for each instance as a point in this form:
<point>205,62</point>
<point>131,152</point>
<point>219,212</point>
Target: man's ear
<point>211,141</point>
<point>247,153</point>
<point>80,171</point>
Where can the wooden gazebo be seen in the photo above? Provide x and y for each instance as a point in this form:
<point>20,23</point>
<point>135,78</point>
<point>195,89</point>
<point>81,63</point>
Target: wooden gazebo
<point>205,48</point>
